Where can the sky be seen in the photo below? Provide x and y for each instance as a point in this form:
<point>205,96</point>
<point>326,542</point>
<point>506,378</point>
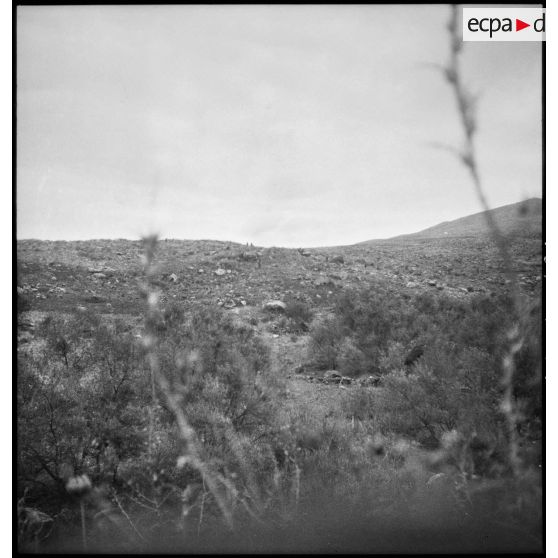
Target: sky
<point>276,125</point>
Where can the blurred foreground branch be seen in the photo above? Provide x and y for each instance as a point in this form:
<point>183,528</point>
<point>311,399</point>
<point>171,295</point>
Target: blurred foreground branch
<point>217,485</point>
<point>466,105</point>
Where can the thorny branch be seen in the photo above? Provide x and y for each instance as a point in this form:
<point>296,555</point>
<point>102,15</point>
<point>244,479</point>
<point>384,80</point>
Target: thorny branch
<point>466,105</point>
<point>187,433</point>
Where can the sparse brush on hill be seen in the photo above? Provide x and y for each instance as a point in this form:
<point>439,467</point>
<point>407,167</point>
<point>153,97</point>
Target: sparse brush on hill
<point>431,438</point>
<point>299,314</point>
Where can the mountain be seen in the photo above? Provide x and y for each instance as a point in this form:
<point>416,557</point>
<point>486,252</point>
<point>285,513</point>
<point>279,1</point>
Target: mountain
<point>523,218</point>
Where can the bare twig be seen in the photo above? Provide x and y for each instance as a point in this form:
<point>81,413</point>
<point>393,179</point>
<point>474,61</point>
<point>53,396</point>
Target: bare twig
<point>466,105</point>
<point>83,529</point>
<point>187,433</point>
<point>127,517</point>
<point>202,506</point>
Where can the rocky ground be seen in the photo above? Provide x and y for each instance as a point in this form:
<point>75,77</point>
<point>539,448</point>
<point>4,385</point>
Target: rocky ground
<point>105,276</point>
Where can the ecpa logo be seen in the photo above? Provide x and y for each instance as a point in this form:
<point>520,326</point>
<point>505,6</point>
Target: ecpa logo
<point>504,24</point>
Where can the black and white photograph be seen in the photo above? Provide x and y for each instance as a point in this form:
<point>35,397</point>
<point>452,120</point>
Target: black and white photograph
<point>279,278</point>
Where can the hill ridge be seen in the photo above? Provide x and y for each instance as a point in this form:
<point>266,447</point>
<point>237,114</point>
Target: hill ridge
<point>521,217</point>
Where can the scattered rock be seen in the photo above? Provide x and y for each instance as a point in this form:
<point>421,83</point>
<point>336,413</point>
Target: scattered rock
<point>173,277</point>
<point>338,259</point>
<point>323,281</point>
<point>95,299</point>
<point>249,256</point>
<point>99,275</point>
<point>220,272</point>
<point>333,377</point>
<point>431,283</point>
<point>59,290</point>
<point>275,306</point>
<point>437,480</point>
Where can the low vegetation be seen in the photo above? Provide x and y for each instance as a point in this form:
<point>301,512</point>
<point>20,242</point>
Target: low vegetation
<point>283,464</point>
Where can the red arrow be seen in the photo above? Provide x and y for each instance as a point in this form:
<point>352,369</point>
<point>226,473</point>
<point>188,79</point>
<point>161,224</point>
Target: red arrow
<point>519,25</point>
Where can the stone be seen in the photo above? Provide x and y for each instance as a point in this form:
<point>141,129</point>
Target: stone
<point>275,306</point>
<point>95,299</point>
<point>431,283</point>
<point>322,281</point>
<point>173,277</point>
<point>220,272</point>
<point>437,480</point>
<point>99,275</point>
<point>338,259</point>
<point>249,256</point>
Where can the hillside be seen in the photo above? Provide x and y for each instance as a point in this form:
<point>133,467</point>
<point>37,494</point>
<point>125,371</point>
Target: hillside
<point>291,367</point>
<point>523,217</point>
<point>516,219</point>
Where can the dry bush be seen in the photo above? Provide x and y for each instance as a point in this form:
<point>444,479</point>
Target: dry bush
<point>326,338</point>
<point>299,312</point>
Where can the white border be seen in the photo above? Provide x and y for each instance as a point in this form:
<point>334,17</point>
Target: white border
<point>6,279</point>
<point>551,295</point>
<point>6,275</point>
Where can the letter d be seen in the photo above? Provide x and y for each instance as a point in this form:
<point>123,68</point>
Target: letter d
<point>538,26</point>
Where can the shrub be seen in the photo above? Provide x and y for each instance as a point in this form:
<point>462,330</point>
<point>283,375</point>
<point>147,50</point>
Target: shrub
<point>372,319</point>
<point>299,312</point>
<point>82,410</point>
<point>360,404</point>
<point>23,303</point>
<point>393,358</point>
<point>352,361</point>
<point>326,337</point>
